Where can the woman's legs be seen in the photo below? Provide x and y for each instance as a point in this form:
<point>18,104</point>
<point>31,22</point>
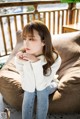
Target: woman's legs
<point>42,104</point>
<point>43,100</point>
<point>28,105</point>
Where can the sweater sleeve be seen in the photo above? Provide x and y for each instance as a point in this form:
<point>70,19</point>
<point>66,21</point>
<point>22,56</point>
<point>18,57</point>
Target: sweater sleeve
<point>38,73</point>
<point>27,75</point>
<point>19,65</point>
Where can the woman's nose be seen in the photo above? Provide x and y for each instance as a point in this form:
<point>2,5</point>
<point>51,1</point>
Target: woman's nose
<point>26,43</point>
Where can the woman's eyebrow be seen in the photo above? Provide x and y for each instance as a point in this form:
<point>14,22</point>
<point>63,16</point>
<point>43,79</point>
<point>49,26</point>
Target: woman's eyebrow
<point>30,36</point>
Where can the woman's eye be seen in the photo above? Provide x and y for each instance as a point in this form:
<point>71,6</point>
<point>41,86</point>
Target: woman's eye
<point>31,39</point>
<point>24,38</point>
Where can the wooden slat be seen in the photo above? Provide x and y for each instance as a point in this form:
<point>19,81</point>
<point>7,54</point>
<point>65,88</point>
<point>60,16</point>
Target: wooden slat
<point>53,22</point>
<point>62,17</point>
<point>72,7</point>
<point>77,15</point>
<point>49,17</point>
<point>10,35</point>
<point>15,22</point>
<point>73,16</point>
<point>22,24</point>
<point>3,35</point>
<point>39,16</point>
<point>67,16</point>
<point>58,21</point>
<point>62,21</point>
<point>33,16</point>
<point>27,18</point>
<point>44,17</point>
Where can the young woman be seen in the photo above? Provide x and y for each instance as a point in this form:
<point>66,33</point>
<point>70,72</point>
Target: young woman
<point>37,63</point>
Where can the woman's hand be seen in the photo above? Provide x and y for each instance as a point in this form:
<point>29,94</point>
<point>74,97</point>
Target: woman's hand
<point>20,55</point>
<point>26,56</point>
<point>30,57</point>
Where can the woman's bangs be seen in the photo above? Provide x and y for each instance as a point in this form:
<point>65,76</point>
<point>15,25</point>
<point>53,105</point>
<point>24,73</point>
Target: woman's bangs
<point>27,30</point>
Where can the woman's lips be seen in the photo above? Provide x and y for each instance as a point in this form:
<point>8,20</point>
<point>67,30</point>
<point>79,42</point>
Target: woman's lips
<point>27,49</point>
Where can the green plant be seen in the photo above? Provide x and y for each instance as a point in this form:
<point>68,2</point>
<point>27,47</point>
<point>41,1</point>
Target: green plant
<point>70,1</point>
<point>1,65</point>
<point>30,8</point>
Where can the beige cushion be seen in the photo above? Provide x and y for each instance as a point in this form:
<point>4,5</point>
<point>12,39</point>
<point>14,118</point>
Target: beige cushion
<point>10,85</point>
<point>67,97</point>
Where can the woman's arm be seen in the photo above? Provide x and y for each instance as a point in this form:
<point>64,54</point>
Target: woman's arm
<point>19,65</point>
<point>27,76</point>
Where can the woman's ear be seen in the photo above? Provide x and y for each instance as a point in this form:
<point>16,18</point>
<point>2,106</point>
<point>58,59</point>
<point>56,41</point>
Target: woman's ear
<point>43,44</point>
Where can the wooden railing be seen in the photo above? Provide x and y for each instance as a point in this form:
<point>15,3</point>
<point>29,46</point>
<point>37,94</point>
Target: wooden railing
<point>54,19</point>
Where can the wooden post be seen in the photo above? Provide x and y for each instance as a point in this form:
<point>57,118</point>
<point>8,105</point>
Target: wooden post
<point>71,8</point>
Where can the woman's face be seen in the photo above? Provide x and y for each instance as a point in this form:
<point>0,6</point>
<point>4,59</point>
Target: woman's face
<point>33,44</point>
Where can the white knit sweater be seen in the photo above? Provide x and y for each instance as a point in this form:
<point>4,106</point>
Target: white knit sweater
<point>32,76</point>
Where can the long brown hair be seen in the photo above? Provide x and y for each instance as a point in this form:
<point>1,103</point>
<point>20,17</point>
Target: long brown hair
<point>45,35</point>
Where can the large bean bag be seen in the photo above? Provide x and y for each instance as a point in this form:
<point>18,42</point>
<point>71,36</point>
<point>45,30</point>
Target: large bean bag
<point>67,98</point>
